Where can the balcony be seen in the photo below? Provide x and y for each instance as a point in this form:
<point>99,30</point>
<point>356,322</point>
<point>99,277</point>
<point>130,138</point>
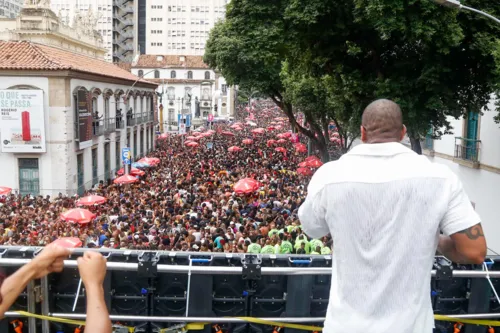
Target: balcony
<point>109,125</point>
<point>131,120</point>
<point>467,152</point>
<point>120,123</point>
<point>98,127</point>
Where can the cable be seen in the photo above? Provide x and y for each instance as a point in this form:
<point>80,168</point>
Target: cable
<point>494,252</point>
<point>491,283</point>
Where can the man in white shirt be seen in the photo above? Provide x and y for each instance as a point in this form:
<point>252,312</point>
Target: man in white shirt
<point>385,207</point>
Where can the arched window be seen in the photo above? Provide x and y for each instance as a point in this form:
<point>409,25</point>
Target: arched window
<point>207,75</point>
<point>190,75</point>
<point>157,74</point>
<point>173,75</point>
<point>140,73</point>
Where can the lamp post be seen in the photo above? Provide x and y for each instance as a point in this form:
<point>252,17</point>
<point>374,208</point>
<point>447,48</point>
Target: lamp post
<point>458,5</point>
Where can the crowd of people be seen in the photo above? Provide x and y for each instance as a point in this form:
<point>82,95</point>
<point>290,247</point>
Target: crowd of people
<point>186,202</point>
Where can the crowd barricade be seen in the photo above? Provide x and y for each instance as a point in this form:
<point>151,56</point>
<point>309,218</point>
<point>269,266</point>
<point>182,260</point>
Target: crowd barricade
<point>152,291</point>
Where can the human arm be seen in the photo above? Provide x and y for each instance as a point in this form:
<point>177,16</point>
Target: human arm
<point>463,240</point>
<point>92,268</point>
<point>51,259</point>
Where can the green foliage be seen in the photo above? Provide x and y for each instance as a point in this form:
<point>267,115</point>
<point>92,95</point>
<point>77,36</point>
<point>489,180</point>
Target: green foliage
<point>330,58</point>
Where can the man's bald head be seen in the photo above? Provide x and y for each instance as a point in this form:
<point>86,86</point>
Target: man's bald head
<point>382,121</point>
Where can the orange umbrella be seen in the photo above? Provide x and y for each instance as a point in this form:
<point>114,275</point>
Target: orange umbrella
<point>246,186</point>
<point>234,149</point>
<point>91,200</point>
<point>127,179</point>
<point>4,190</point>
<point>247,141</point>
<point>304,171</point>
<point>78,215</point>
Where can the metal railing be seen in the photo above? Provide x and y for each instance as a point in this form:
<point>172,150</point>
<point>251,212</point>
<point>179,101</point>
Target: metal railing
<point>98,127</point>
<point>120,122</point>
<point>109,125</point>
<point>131,120</point>
<point>467,149</point>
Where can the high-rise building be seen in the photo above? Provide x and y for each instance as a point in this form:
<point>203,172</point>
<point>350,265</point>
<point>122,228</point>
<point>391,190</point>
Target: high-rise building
<point>178,27</point>
<point>93,12</point>
<point>10,8</point>
<point>125,28</point>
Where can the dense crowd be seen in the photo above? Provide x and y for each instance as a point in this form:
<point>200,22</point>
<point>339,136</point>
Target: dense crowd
<point>186,202</point>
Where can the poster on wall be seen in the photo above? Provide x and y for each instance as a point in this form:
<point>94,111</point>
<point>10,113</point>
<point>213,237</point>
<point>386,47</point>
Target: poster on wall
<point>22,122</point>
<point>84,119</point>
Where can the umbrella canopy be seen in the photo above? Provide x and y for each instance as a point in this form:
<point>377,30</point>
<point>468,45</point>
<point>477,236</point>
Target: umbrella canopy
<point>247,141</point>
<point>258,131</point>
<point>237,129</point>
<point>4,190</point>
<point>234,149</point>
<point>246,186</point>
<point>237,125</point>
<point>280,149</point>
<point>286,134</point>
<point>314,163</point>
<point>191,137</point>
<point>271,128</point>
<point>162,136</point>
<point>140,165</point>
<point>303,164</point>
<point>91,200</point>
<point>271,142</point>
<point>300,148</point>
<point>150,160</point>
<point>251,123</point>
<point>304,171</point>
<point>133,172</point>
<point>227,133</point>
<point>312,158</point>
<point>68,242</point>
<point>127,179</point>
<point>192,144</point>
<point>281,141</point>
<point>78,215</point>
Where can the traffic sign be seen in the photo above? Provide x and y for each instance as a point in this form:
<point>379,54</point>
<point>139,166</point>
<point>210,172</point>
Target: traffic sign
<point>126,156</point>
<point>182,128</point>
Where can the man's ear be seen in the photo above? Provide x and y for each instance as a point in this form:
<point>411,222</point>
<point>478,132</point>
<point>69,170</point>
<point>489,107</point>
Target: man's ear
<point>363,134</point>
<point>403,133</point>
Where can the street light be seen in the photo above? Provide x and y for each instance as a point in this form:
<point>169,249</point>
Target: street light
<point>458,5</point>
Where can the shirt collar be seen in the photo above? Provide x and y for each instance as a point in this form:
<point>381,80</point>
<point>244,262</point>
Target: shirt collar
<point>380,149</point>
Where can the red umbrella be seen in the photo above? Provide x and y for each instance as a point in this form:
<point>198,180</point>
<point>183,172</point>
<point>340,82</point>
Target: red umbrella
<point>303,164</point>
<point>227,133</point>
<point>304,171</point>
<point>133,172</point>
<point>4,190</point>
<point>271,142</point>
<point>312,158</point>
<point>191,137</point>
<point>300,148</point>
<point>238,129</point>
<point>281,136</point>
<point>271,128</point>
<point>234,149</point>
<point>235,125</point>
<point>314,163</point>
<point>247,141</point>
<point>258,131</point>
<point>281,150</point>
<point>286,134</point>
<point>192,144</point>
<point>91,200</point>
<point>78,215</point>
<point>127,179</point>
<point>281,141</point>
<point>150,160</point>
<point>68,242</point>
<point>246,186</point>
<point>163,136</point>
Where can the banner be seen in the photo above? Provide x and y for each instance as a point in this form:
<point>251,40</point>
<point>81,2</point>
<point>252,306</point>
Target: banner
<point>84,119</point>
<point>22,122</point>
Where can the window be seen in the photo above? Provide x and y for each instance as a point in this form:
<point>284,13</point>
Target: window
<point>173,75</point>
<point>190,75</point>
<point>140,73</point>
<point>207,75</point>
<point>171,93</point>
<point>157,74</point>
<point>224,89</point>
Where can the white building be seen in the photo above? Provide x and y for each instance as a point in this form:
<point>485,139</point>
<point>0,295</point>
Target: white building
<point>473,153</point>
<point>73,133</point>
<point>98,13</point>
<point>10,8</point>
<point>180,26</point>
<point>186,86</point>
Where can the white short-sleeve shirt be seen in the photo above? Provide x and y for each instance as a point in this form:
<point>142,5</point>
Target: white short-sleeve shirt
<point>384,206</point>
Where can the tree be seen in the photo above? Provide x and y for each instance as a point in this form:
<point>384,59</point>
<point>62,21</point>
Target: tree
<point>248,48</point>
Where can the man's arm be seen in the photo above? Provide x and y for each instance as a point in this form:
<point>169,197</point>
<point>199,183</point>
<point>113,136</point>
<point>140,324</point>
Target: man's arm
<point>467,246</point>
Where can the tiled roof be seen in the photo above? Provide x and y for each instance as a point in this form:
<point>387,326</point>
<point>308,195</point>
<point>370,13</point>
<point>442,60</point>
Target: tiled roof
<point>24,55</point>
<point>125,65</point>
<point>169,61</point>
<point>177,81</point>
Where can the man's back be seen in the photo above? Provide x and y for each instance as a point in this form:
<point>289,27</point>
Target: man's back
<point>384,206</point>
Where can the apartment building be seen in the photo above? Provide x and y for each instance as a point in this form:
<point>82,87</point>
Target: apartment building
<point>10,8</point>
<point>98,13</point>
<point>179,27</point>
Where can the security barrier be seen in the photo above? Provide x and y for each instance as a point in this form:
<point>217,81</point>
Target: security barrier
<point>161,291</point>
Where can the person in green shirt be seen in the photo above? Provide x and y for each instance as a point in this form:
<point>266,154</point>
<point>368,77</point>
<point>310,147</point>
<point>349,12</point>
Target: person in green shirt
<point>317,250</point>
<point>272,233</point>
<point>326,250</point>
<point>285,247</point>
<point>254,248</point>
<point>302,239</point>
<point>268,248</point>
<point>315,243</point>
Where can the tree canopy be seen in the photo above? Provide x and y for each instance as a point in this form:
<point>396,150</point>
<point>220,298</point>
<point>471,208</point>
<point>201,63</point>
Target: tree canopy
<point>329,58</point>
